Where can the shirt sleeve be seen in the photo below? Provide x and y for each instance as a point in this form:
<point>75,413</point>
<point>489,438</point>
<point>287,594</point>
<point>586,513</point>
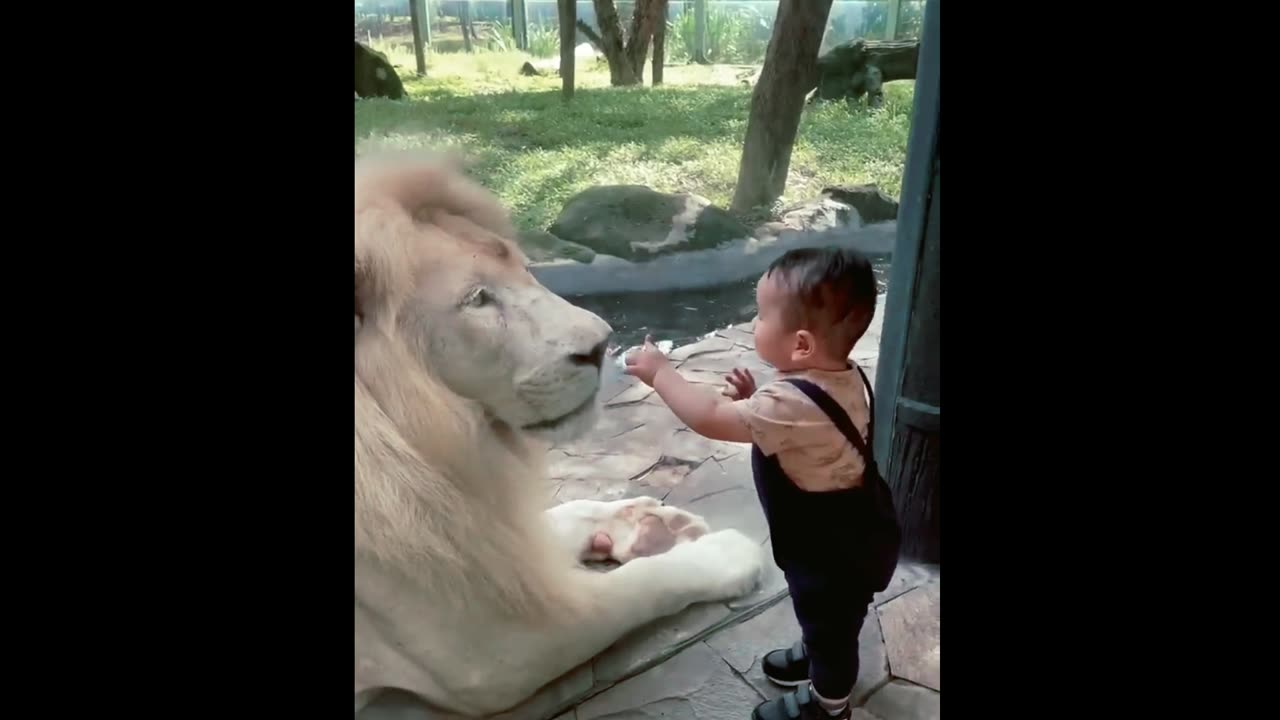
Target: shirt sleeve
<point>780,418</point>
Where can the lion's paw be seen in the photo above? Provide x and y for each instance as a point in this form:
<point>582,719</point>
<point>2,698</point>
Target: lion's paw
<point>720,566</point>
<point>644,527</point>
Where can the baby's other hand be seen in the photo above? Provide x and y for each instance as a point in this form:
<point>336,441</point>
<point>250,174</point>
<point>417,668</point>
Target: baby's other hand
<point>741,384</point>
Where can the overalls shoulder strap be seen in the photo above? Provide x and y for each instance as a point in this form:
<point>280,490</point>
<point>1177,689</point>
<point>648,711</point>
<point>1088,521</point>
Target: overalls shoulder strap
<point>837,414</point>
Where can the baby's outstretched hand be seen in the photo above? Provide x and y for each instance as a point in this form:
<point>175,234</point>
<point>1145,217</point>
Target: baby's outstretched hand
<point>645,362</point>
<point>741,384</point>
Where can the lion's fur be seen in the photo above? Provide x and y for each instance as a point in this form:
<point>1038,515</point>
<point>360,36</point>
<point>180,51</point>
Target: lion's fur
<point>444,496</point>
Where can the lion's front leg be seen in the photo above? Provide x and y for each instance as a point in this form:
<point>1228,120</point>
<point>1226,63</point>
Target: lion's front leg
<point>717,566</point>
<point>622,530</point>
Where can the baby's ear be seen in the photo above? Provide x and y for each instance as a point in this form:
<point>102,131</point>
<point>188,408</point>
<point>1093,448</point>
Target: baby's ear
<point>802,344</point>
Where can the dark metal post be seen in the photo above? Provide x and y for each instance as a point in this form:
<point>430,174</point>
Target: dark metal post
<point>908,391</point>
<point>520,23</point>
<point>464,19</point>
<point>700,32</point>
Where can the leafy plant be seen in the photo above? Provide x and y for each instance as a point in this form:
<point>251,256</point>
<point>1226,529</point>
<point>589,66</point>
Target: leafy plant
<point>733,36</point>
<point>544,41</point>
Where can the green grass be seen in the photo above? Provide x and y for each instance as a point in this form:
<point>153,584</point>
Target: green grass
<point>535,151</point>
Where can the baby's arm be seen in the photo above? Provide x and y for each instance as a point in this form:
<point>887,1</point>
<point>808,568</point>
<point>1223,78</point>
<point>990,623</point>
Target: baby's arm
<point>706,413</point>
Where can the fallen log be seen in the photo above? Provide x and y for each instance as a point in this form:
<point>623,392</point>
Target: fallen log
<point>861,67</point>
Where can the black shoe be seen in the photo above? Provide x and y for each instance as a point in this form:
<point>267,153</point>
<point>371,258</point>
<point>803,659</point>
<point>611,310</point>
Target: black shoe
<point>788,667</point>
<point>799,705</point>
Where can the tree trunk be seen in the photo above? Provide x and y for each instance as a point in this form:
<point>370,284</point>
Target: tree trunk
<point>416,13</point>
<point>609,41</point>
<point>626,60</point>
<point>568,11</point>
<point>644,22</point>
<point>465,22</point>
<point>790,71</point>
<point>659,41</point>
<point>859,67</point>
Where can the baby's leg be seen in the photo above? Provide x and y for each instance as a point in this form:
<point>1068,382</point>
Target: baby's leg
<point>830,617</point>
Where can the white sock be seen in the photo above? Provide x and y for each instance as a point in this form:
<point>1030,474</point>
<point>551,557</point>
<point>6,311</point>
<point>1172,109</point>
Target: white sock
<point>833,707</point>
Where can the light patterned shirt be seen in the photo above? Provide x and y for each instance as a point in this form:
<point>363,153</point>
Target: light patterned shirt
<point>810,448</point>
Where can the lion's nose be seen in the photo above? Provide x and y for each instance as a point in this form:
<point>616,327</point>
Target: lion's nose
<point>595,357</point>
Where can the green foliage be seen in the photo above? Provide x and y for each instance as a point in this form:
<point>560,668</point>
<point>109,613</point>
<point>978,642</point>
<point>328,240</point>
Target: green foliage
<point>738,35</point>
<point>544,41</point>
<point>535,151</point>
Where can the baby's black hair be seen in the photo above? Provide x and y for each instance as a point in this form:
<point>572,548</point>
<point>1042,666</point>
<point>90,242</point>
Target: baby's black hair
<point>834,291</point>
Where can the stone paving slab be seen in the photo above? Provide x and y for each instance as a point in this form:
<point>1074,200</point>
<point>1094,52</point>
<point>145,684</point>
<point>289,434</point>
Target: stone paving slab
<point>906,577</point>
<point>900,700</point>
<point>664,636</point>
<point>744,647</point>
<point>695,684</point>
<point>912,632</point>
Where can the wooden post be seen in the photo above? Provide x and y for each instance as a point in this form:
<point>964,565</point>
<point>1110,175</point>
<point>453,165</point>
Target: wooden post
<point>908,392</point>
<point>568,11</point>
<point>416,13</point>
<point>700,32</point>
<point>520,23</point>
<point>465,22</point>
<point>660,42</point>
<point>891,30</point>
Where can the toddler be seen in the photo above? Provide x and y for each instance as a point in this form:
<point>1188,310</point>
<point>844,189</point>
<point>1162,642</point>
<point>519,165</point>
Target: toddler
<point>831,518</point>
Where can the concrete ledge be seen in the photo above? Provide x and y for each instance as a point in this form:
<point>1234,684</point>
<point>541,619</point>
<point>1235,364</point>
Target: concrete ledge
<point>739,260</point>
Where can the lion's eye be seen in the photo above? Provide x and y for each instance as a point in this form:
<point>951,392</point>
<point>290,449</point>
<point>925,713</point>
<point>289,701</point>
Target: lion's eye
<point>478,297</point>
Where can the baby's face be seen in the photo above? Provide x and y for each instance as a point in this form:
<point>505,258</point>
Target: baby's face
<point>774,343</point>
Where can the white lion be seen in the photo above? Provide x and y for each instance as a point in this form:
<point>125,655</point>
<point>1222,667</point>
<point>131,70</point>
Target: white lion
<point>467,593</point>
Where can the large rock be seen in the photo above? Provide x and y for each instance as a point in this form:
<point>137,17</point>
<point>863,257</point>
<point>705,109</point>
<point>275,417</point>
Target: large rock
<point>872,205</point>
<point>375,76</point>
<point>636,223</point>
<point>838,207</point>
<point>542,246</point>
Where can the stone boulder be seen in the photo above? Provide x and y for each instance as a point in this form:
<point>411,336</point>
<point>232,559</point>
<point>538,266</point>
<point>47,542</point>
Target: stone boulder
<point>636,223</point>
<point>375,76</point>
<point>840,207</point>
<point>872,205</point>
<point>542,246</point>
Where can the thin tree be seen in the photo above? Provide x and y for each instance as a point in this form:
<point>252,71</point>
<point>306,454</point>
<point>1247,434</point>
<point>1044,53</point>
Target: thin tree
<point>790,71</point>
<point>626,58</point>
<point>568,11</point>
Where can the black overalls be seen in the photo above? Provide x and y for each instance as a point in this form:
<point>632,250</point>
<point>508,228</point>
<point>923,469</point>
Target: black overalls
<point>836,548</point>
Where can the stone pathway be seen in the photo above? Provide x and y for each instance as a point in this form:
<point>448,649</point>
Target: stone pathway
<point>704,664</point>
